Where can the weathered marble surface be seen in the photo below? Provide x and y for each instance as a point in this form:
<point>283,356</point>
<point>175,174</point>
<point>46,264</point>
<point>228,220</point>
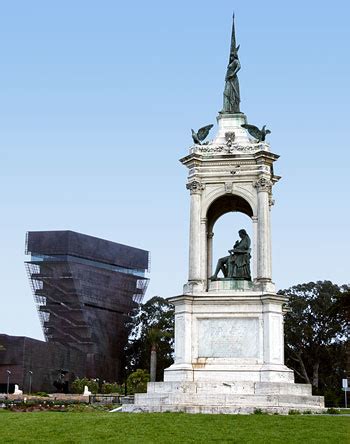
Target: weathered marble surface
<point>228,338</point>
<point>235,336</point>
<point>238,397</point>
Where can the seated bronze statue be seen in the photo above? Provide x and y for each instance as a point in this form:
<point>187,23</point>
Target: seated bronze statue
<point>237,264</point>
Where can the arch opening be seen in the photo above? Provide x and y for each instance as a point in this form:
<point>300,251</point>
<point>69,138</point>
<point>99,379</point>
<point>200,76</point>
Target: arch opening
<point>226,204</point>
<point>228,214</point>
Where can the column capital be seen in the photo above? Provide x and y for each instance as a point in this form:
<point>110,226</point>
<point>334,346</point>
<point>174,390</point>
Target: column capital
<point>195,187</point>
<point>263,184</point>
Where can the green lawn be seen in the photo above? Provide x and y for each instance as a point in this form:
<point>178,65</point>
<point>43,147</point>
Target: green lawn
<point>56,427</point>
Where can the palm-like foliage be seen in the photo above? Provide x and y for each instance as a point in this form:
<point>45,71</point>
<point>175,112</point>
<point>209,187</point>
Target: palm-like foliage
<point>152,329</point>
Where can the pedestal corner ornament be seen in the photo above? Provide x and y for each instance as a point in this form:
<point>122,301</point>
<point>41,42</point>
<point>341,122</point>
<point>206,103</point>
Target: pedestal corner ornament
<point>229,321</point>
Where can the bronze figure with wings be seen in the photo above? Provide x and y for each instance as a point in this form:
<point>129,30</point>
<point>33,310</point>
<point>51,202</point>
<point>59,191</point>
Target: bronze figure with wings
<point>201,134</point>
<point>256,132</point>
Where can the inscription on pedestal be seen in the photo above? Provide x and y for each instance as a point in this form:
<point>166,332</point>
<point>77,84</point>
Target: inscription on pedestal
<point>228,338</point>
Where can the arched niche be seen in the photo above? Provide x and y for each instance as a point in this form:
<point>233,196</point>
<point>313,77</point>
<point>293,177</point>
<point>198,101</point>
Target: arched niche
<point>225,204</point>
<point>219,207</point>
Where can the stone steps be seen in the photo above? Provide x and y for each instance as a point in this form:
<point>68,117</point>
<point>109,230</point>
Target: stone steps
<point>215,409</point>
<point>244,388</point>
<point>258,401</point>
<point>221,397</point>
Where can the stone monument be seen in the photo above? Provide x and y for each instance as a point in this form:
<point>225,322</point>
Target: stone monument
<point>229,324</point>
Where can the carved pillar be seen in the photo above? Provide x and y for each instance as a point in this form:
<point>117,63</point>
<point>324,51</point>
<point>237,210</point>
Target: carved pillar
<point>203,249</point>
<point>255,247</point>
<point>264,186</point>
<point>194,273</point>
<point>210,236</point>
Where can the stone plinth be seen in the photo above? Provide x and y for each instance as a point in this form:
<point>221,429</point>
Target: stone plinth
<point>230,284</point>
<point>228,336</point>
<point>234,397</point>
<point>232,122</point>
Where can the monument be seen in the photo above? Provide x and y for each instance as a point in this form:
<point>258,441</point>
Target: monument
<point>229,322</point>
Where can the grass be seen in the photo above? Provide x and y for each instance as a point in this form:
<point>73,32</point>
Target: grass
<point>144,428</point>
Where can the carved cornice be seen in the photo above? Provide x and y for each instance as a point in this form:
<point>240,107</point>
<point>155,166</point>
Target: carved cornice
<point>229,148</point>
<point>195,187</point>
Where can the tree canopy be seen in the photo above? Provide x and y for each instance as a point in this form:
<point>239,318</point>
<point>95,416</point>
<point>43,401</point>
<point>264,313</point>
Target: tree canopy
<point>316,336</point>
<point>152,327</point>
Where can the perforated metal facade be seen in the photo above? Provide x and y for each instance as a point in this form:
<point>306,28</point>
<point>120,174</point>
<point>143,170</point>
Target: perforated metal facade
<point>84,288</point>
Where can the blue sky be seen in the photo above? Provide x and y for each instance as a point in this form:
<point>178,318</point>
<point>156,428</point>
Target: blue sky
<point>96,104</point>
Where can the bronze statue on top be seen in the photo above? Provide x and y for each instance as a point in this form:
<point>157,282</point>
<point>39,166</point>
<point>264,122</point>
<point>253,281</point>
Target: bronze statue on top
<point>231,93</point>
<point>237,264</point>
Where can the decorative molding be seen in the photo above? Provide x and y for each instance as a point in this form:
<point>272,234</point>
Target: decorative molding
<point>230,137</point>
<point>228,187</point>
<point>229,148</point>
<point>195,187</point>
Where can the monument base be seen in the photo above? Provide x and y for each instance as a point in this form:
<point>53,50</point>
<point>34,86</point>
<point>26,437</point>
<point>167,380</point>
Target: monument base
<point>229,398</point>
<point>228,358</point>
<point>228,373</point>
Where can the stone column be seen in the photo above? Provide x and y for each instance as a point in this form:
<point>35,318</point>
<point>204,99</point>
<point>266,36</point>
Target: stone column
<point>194,273</point>
<point>264,186</point>
<point>203,250</point>
<point>210,236</point>
<point>255,247</point>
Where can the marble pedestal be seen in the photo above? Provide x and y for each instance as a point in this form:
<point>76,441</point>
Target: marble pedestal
<point>229,398</point>
<point>228,358</point>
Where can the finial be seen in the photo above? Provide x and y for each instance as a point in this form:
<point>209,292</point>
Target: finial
<point>233,49</point>
<point>231,92</point>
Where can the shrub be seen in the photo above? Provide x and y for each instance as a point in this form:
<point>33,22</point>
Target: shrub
<point>43,394</point>
<point>137,381</point>
<point>294,412</point>
<point>333,411</point>
<point>78,385</point>
<point>111,387</point>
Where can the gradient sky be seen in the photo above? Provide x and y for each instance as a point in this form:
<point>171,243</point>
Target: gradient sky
<point>97,99</point>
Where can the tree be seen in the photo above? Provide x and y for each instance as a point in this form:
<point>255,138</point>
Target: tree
<point>152,333</point>
<point>315,336</point>
<point>154,338</point>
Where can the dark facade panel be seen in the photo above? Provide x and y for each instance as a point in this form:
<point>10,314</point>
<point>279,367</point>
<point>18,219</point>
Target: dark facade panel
<point>84,246</point>
<point>46,361</point>
<point>83,301</point>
